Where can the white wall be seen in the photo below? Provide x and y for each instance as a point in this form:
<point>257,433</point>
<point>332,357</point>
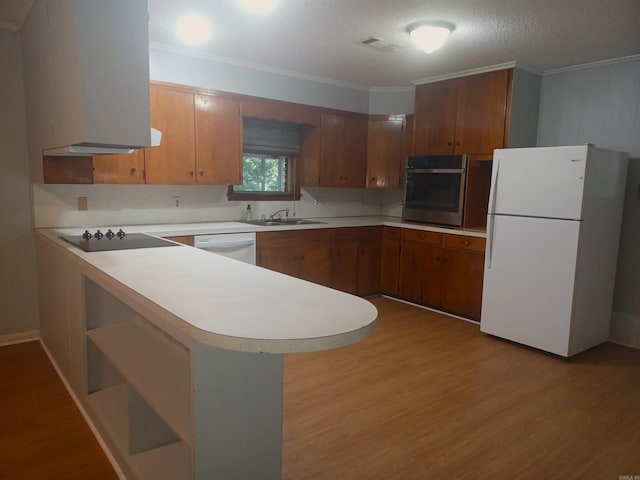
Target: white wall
<point>18,299</point>
<point>56,205</point>
<point>600,104</point>
<point>118,205</point>
<point>212,74</point>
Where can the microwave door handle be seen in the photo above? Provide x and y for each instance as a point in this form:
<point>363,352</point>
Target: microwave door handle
<point>492,211</point>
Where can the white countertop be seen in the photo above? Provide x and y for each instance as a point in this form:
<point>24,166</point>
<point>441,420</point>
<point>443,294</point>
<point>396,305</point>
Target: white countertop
<point>222,302</point>
<point>198,296</point>
<point>165,230</point>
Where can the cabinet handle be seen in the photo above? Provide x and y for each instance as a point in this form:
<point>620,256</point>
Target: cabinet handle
<point>191,173</point>
<point>466,243</point>
<point>201,173</point>
<point>458,143</point>
<point>449,143</point>
<point>133,171</point>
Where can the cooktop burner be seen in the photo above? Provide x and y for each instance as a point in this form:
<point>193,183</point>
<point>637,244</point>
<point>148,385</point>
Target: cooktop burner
<point>102,242</point>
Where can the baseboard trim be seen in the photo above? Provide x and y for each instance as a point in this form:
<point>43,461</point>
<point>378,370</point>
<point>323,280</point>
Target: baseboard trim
<point>431,309</point>
<point>21,337</point>
<point>86,416</point>
<point>625,329</point>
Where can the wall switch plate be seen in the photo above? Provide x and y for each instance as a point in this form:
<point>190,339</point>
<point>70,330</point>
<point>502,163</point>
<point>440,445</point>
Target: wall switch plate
<point>83,204</point>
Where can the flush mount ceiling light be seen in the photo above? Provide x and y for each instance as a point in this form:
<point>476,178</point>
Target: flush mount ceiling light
<point>258,6</point>
<point>193,29</point>
<point>429,36</point>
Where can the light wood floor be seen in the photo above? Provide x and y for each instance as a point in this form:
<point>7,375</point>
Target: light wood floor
<point>426,397</point>
<point>430,397</point>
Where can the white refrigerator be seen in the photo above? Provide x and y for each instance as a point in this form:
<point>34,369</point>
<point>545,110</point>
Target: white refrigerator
<point>553,229</point>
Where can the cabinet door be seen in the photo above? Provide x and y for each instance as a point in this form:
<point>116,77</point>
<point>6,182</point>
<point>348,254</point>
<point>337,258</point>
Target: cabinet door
<point>218,139</point>
<point>412,265</point>
<point>123,169</point>
<point>278,259</point>
<point>481,112</point>
<point>173,161</point>
<point>435,118</point>
<point>343,150</point>
<point>462,275</point>
<point>384,151</point>
<point>369,261</point>
<point>314,255</point>
<point>345,262</point>
<point>390,261</point>
<point>315,261</point>
<point>277,252</point>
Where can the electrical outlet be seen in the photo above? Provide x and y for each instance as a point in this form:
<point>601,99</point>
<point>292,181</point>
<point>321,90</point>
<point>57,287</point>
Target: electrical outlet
<point>176,202</point>
<point>83,203</point>
<point>316,202</point>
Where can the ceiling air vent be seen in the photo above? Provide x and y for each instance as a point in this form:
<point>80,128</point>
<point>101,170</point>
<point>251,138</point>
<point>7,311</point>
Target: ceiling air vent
<point>379,44</point>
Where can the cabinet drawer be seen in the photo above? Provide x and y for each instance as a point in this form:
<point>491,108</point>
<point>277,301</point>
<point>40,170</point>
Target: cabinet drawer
<point>392,233</point>
<point>369,233</point>
<point>462,242</point>
<point>349,233</point>
<point>431,238</point>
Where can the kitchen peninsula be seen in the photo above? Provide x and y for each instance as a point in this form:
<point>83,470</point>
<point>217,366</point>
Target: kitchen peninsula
<point>175,354</point>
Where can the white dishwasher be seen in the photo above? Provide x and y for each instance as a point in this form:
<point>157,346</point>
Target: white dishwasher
<point>240,246</point>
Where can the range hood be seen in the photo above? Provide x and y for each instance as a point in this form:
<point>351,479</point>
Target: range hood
<point>86,65</point>
<point>87,149</point>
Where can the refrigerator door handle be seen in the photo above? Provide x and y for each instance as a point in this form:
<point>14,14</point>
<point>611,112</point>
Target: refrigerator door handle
<point>492,210</point>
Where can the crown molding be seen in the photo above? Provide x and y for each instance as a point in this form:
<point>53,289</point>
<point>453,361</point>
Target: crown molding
<point>601,63</point>
<point>263,68</point>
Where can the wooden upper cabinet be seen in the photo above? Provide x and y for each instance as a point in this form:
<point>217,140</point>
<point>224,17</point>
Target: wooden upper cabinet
<point>121,169</point>
<point>174,161</point>
<point>407,136</point>
<point>481,112</point>
<point>343,150</point>
<point>435,118</point>
<point>384,151</point>
<point>218,140</point>
<point>462,115</point>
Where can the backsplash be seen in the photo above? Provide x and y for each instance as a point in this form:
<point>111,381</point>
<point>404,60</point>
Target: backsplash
<point>56,205</point>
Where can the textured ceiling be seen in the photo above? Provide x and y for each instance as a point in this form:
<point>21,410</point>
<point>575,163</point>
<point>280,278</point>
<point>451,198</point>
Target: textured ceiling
<point>317,38</point>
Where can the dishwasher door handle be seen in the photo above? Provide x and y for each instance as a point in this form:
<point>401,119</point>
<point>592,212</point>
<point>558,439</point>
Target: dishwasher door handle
<point>224,244</point>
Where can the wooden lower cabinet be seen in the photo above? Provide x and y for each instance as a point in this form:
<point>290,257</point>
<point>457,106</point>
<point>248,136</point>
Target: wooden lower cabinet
<point>461,278</point>
<point>369,260</point>
<point>442,271</point>
<point>345,260</point>
<point>304,254</point>
<point>183,239</point>
<point>436,270</point>
<point>419,280</point>
<point>390,261</point>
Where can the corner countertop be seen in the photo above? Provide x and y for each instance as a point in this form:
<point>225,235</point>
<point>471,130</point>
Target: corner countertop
<point>196,296</point>
<point>205,228</point>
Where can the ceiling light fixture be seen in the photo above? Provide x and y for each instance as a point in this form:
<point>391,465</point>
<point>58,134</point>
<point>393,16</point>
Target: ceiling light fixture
<point>429,36</point>
<point>258,6</point>
<point>193,29</point>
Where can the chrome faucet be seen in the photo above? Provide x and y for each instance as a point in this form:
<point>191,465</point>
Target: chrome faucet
<point>286,213</point>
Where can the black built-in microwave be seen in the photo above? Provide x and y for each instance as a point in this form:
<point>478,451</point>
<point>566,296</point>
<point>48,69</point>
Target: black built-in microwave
<point>434,189</point>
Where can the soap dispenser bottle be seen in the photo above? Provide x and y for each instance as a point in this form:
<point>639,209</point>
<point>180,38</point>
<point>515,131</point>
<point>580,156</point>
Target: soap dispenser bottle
<point>247,213</point>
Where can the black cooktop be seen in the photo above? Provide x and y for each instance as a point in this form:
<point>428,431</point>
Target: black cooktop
<point>102,242</point>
